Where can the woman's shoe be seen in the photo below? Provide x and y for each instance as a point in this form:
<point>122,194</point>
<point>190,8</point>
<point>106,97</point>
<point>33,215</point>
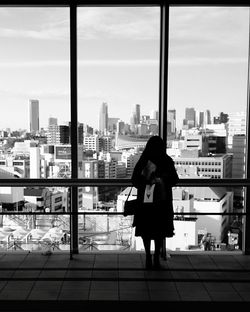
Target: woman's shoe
<point>148,262</point>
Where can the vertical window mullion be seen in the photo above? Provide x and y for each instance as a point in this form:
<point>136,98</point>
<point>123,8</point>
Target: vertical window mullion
<point>74,126</point>
<point>246,225</point>
<point>163,83</point>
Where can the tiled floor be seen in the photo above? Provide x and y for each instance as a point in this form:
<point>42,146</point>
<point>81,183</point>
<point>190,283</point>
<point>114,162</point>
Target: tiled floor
<point>30,281</point>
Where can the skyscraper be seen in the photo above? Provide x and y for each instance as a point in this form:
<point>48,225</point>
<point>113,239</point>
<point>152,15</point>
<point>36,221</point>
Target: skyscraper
<point>208,117</point>
<point>137,113</point>
<point>190,117</point>
<point>171,117</point>
<point>103,118</point>
<point>52,121</point>
<point>34,116</point>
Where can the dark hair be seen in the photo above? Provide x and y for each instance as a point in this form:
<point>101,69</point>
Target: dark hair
<point>155,149</point>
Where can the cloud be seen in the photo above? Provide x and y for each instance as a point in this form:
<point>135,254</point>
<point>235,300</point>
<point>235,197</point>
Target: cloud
<point>41,23</point>
<point>81,63</point>
<point>33,64</point>
<point>209,27</point>
<point>204,61</point>
<point>50,93</point>
<point>121,62</point>
<point>42,34</point>
<point>132,23</point>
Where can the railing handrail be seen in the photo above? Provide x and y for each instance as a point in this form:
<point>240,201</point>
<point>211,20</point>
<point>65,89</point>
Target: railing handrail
<point>119,182</point>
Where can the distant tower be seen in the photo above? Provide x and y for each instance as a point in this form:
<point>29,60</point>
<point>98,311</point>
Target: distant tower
<point>202,120</point>
<point>52,121</point>
<point>137,114</point>
<point>34,116</point>
<point>154,114</point>
<point>103,118</point>
<point>208,117</point>
<point>171,117</point>
<point>190,117</point>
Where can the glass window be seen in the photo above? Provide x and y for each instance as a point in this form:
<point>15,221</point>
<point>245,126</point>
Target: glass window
<point>210,44</point>
<point>118,86</point>
<point>34,80</point>
<point>208,75</point>
<point>26,223</point>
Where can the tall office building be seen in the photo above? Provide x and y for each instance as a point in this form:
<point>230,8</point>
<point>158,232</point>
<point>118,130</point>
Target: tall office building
<point>34,162</point>
<point>154,114</point>
<point>103,118</point>
<point>201,120</point>
<point>171,117</point>
<point>34,116</point>
<point>190,117</point>
<point>236,126</point>
<point>208,117</point>
<point>58,134</point>
<point>52,121</point>
<point>204,119</point>
<point>137,114</point>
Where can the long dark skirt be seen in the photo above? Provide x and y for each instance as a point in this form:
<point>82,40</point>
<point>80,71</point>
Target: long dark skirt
<point>154,221</point>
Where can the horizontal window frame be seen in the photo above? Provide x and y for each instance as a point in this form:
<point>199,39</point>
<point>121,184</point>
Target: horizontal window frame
<point>118,182</point>
<point>124,3</point>
<point>6,213</point>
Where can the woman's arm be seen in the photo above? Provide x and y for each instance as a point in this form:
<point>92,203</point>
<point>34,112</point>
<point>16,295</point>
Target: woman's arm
<point>168,174</point>
<point>137,178</point>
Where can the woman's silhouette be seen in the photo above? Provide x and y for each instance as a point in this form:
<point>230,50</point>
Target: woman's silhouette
<point>154,174</point>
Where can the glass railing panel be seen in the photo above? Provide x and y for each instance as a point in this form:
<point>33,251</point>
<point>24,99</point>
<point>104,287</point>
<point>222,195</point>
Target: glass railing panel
<point>198,211</point>
<point>213,214</point>
<point>34,219</point>
<point>101,224</point>
<point>102,232</point>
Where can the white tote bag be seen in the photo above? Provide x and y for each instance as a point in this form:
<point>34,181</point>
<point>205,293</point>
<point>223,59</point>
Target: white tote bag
<point>149,193</point>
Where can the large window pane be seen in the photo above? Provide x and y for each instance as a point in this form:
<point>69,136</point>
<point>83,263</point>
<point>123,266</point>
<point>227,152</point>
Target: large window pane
<point>208,74</point>
<point>34,92</point>
<point>118,86</point>
<point>207,103</point>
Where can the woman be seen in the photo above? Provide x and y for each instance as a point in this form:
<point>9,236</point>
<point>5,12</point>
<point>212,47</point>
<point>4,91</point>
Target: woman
<point>154,175</point>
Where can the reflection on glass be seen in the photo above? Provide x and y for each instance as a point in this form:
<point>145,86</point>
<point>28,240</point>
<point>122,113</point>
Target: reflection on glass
<point>25,222</point>
<point>118,85</point>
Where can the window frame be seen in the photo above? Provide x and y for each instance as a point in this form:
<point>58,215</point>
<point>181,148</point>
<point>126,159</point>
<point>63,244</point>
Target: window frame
<point>74,182</point>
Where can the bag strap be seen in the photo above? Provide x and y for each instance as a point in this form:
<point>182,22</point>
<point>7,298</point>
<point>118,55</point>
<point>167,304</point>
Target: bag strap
<point>129,193</point>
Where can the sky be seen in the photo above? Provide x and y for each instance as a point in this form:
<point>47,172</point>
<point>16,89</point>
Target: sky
<point>118,61</point>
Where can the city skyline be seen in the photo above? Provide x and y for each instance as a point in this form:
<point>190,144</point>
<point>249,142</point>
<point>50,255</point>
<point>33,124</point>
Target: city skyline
<point>119,62</point>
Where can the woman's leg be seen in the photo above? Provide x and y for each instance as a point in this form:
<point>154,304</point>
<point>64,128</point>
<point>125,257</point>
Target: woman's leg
<point>147,244</point>
<point>158,245</point>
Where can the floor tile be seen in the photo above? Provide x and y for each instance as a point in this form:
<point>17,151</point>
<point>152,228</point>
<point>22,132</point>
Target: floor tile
<point>104,295</point>
<point>224,296</point>
<point>74,294</point>
<point>131,295</point>
<point>161,295</point>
